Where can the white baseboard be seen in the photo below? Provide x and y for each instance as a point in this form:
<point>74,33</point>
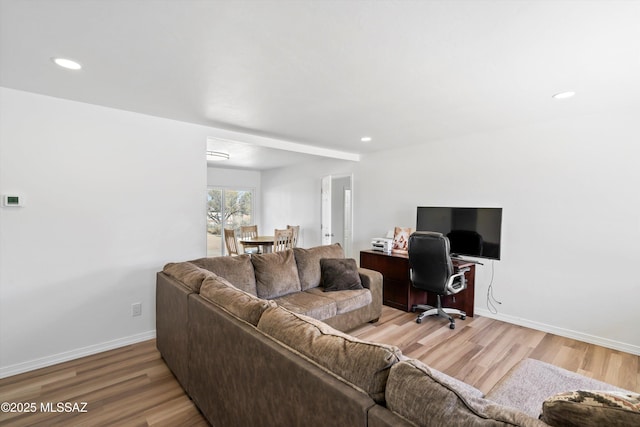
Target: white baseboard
<point>43,362</point>
<point>567,333</point>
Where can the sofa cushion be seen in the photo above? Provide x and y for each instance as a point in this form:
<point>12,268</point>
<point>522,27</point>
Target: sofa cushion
<point>339,274</point>
<point>414,392</point>
<point>187,273</point>
<point>316,306</point>
<point>345,301</point>
<point>308,261</point>
<point>592,408</point>
<point>238,270</point>
<point>276,274</point>
<point>241,304</point>
<point>363,364</point>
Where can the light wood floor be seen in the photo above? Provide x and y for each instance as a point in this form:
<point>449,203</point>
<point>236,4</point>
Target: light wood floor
<point>131,386</point>
<point>481,350</point>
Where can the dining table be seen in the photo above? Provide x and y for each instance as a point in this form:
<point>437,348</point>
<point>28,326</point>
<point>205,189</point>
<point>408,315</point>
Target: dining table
<point>265,242</point>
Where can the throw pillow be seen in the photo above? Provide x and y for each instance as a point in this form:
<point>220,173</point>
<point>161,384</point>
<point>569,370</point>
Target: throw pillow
<point>340,274</point>
<point>401,239</point>
<point>592,408</point>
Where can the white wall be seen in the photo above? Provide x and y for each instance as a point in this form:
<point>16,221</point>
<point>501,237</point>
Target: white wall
<point>571,219</point>
<point>291,195</point>
<point>111,196</point>
<point>237,178</point>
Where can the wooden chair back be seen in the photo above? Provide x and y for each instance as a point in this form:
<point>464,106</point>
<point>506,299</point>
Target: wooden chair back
<point>230,241</point>
<point>282,240</point>
<point>249,232</point>
<point>296,232</point>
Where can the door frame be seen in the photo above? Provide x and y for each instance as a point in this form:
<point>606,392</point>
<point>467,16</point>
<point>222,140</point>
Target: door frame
<point>346,210</point>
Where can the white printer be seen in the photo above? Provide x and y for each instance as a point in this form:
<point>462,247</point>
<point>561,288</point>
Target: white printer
<point>382,244</point>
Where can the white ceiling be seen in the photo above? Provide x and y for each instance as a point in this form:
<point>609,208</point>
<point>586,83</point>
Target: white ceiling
<point>319,75</point>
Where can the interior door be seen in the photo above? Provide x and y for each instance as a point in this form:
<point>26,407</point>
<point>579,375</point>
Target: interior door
<point>325,226</point>
<point>347,231</point>
<point>337,211</point>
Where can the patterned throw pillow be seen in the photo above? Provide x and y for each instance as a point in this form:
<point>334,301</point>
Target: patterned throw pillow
<point>592,408</point>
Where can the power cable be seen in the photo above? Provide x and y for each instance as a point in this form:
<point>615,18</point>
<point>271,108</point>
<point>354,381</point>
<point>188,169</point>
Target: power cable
<point>491,300</point>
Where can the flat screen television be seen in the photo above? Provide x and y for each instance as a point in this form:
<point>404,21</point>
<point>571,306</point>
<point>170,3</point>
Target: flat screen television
<point>471,231</point>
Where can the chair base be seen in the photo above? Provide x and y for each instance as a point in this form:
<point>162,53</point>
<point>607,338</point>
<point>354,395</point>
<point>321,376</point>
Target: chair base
<point>440,312</point>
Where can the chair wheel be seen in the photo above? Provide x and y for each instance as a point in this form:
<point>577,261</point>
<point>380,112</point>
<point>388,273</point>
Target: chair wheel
<point>418,320</point>
<point>463,317</point>
<point>452,326</point>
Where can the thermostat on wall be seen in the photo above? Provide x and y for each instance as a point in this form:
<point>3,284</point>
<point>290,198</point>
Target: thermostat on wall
<point>12,200</point>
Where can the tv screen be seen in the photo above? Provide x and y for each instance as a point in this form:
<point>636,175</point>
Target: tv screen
<point>471,231</point>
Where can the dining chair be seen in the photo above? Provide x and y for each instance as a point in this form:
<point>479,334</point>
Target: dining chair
<point>230,241</point>
<point>249,232</point>
<point>282,240</point>
<point>296,232</point>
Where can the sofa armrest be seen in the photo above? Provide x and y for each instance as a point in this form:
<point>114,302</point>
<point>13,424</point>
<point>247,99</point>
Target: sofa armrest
<point>372,280</point>
<point>172,299</point>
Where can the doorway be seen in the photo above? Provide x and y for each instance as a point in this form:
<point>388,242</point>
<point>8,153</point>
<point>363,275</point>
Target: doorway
<point>337,211</point>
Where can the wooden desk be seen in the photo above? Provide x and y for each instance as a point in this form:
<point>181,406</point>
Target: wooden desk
<point>398,292</point>
<point>265,241</point>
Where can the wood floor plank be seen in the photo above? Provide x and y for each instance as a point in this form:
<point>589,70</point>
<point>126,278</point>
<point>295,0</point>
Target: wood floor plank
<point>132,386</point>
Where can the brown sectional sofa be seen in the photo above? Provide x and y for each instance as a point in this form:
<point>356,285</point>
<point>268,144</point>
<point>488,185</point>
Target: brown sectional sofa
<point>291,279</point>
<point>247,360</point>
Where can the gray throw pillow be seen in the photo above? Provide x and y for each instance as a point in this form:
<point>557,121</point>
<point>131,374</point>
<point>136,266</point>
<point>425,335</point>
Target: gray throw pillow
<point>340,274</point>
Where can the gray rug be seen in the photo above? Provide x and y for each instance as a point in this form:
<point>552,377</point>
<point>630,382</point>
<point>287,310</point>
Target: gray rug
<point>531,382</point>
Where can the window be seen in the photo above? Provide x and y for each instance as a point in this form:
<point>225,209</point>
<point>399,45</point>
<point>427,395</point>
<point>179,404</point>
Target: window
<point>226,208</point>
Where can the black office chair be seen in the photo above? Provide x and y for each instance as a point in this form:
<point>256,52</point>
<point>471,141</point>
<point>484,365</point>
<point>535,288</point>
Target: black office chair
<point>431,270</point>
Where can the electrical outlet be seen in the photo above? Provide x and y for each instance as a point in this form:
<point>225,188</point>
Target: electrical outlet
<point>136,309</point>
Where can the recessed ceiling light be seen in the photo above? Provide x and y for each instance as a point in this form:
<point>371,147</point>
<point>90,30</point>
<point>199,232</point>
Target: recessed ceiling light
<point>365,139</point>
<point>217,155</point>
<point>67,63</point>
<point>564,95</point>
